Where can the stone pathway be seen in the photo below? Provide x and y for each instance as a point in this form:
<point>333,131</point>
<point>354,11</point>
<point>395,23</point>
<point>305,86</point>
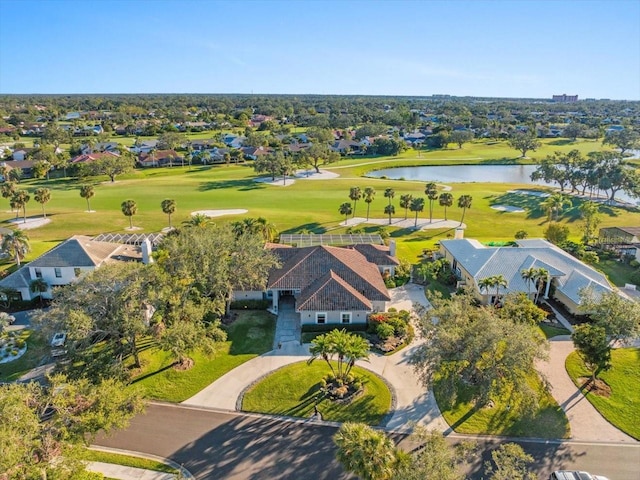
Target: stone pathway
<point>287,325</point>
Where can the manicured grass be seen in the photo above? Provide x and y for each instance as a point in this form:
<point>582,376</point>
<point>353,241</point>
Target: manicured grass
<point>292,391</point>
<point>436,286</point>
<point>619,273</point>
<point>623,406</point>
<point>550,331</point>
<point>549,421</point>
<point>125,460</point>
<point>37,348</point>
<point>316,202</point>
<point>249,336</point>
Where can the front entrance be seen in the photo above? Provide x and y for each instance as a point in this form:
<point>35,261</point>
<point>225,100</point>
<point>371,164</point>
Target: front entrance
<point>288,322</point>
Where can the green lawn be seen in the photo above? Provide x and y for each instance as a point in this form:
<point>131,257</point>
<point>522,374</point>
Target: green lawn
<point>623,406</point>
<point>37,348</point>
<point>619,273</point>
<point>549,421</point>
<point>125,460</point>
<point>249,336</point>
<point>550,331</point>
<point>292,390</point>
<point>316,202</point>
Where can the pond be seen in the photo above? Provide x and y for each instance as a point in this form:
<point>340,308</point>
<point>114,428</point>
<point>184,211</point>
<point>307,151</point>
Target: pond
<point>473,173</point>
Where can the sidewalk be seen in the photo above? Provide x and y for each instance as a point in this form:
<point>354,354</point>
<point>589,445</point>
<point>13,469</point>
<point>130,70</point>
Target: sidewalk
<point>586,422</point>
<point>120,472</point>
<point>414,404</point>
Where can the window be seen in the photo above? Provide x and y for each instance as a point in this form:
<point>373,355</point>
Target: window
<point>38,273</point>
<point>77,272</point>
<point>321,317</point>
<point>345,317</point>
<point>58,272</point>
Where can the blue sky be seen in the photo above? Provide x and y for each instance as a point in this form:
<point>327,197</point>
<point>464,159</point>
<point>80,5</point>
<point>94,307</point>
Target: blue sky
<point>483,48</point>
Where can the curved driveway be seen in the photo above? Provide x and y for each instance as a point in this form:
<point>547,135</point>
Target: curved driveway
<point>414,404</point>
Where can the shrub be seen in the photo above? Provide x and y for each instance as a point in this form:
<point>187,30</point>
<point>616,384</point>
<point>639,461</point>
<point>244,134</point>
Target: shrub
<point>390,283</point>
<point>250,304</point>
<point>634,263</point>
<point>20,343</point>
<point>327,327</point>
<point>635,277</point>
<point>385,330</point>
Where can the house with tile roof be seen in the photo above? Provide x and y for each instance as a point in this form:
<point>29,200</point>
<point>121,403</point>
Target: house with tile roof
<point>329,284</point>
<point>66,262</point>
<point>568,276</point>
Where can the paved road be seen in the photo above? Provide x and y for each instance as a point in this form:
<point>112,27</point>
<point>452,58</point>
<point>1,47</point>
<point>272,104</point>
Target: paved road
<point>214,445</point>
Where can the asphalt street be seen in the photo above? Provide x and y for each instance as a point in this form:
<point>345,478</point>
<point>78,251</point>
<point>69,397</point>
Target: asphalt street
<point>214,445</point>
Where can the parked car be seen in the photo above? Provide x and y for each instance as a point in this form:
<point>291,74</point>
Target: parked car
<point>574,475</point>
<point>59,339</point>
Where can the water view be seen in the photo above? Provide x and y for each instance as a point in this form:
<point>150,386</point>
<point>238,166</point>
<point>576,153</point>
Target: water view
<point>474,173</point>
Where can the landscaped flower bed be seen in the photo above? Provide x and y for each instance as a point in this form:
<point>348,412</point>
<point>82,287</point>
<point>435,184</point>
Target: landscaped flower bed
<point>12,345</point>
<point>390,331</point>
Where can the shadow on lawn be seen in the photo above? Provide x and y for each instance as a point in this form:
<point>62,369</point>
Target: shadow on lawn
<point>313,227</point>
<point>240,185</point>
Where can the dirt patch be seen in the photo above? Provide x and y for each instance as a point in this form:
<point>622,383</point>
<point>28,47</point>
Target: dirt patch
<point>185,364</point>
<point>599,387</point>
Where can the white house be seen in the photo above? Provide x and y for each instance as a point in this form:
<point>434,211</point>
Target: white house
<point>66,262</point>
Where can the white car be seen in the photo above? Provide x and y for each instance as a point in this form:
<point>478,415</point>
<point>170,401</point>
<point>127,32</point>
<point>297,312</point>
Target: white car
<point>574,475</point>
<point>59,339</point>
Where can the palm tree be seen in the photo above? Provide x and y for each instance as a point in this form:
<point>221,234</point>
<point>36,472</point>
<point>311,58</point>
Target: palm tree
<point>369,454</point>
<point>554,205</point>
<point>499,281</point>
<point>464,202</point>
<point>541,276</point>
<point>267,229</point>
<point>129,209</point>
<point>389,210</point>
<point>431,190</point>
<point>168,207</point>
<point>16,244</point>
<point>20,199</point>
<point>199,220</point>
<point>389,193</point>
<point>369,195</point>
<point>528,276</point>
<point>405,202</point>
<point>8,189</point>
<point>446,200</point>
<point>38,286</point>
<point>345,209</point>
<point>42,196</point>
<point>485,284</point>
<point>417,205</point>
<point>322,347</point>
<point>355,194</point>
<point>87,192</point>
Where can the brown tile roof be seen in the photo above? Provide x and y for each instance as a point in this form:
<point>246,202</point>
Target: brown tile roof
<point>303,266</point>
<point>378,254</point>
<point>89,157</point>
<point>332,293</point>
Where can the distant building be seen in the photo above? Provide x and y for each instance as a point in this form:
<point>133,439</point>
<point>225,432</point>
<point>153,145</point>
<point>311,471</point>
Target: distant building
<point>564,98</point>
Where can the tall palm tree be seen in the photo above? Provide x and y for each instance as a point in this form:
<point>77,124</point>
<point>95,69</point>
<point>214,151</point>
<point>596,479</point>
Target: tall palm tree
<point>446,200</point>
<point>369,454</point>
<point>322,347</point>
<point>541,276</point>
<point>369,195</point>
<point>405,202</point>
<point>528,276</point>
<point>20,199</point>
<point>431,190</point>
<point>485,284</point>
<point>389,210</point>
<point>42,196</point>
<point>417,205</point>
<point>87,192</point>
<point>38,286</point>
<point>16,244</point>
<point>8,189</point>
<point>129,209</point>
<point>345,209</point>
<point>464,202</point>
<point>499,281</point>
<point>355,194</point>
<point>168,207</point>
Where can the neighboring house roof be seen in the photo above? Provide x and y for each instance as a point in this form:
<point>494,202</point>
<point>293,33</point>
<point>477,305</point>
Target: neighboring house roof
<point>17,280</point>
<point>89,157</point>
<point>570,274</point>
<point>633,231</point>
<point>378,254</point>
<point>303,266</point>
<point>332,293</point>
<point>81,251</point>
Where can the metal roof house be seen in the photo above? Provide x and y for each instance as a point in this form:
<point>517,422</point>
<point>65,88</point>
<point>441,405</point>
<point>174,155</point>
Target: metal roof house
<point>472,261</point>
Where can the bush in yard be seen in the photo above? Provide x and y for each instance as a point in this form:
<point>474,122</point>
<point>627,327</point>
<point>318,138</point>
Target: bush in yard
<point>385,330</point>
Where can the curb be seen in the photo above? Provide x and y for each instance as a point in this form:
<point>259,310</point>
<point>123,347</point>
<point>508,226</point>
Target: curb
<point>186,474</point>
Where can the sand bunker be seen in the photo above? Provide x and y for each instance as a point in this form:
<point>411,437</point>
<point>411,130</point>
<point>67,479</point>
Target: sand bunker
<point>507,208</point>
<point>220,213</point>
